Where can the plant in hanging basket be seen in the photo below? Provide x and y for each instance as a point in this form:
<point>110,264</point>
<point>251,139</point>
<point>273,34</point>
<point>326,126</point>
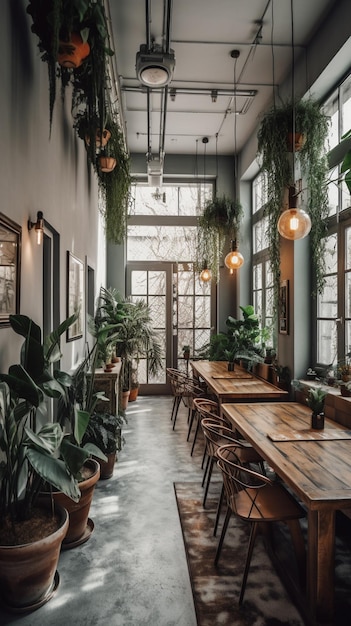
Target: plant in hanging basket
<point>62,26</point>
<point>311,161</point>
<point>219,221</point>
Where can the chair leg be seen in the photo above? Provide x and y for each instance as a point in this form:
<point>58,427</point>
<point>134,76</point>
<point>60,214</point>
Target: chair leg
<point>218,513</point>
<point>224,530</point>
<point>204,458</point>
<point>173,408</point>
<point>209,474</point>
<point>206,470</point>
<point>191,421</point>
<point>253,533</point>
<point>195,437</point>
<point>176,411</point>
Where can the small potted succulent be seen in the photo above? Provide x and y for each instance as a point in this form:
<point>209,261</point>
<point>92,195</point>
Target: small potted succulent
<point>315,400</point>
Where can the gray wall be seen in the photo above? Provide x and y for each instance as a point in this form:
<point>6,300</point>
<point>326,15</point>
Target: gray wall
<point>42,173</point>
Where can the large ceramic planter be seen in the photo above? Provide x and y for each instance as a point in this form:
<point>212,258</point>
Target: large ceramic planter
<point>28,573</point>
<point>125,399</point>
<point>80,526</point>
<point>133,394</point>
<point>72,53</point>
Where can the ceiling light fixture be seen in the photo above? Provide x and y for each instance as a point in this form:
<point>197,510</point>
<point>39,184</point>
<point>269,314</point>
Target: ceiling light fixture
<point>154,68</point>
<point>38,227</point>
<point>293,223</point>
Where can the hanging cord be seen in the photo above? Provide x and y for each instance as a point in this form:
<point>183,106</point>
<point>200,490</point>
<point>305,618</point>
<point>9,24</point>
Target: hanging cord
<point>235,55</point>
<point>272,52</point>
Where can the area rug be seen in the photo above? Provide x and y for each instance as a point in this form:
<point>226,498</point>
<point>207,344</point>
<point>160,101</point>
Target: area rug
<point>216,589</point>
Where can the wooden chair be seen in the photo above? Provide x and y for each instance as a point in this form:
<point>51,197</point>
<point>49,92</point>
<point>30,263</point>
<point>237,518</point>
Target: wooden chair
<point>177,381</point>
<point>192,391</point>
<point>254,498</point>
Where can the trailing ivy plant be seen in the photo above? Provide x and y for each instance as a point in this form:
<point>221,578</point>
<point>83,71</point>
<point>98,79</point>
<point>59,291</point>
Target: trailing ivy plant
<point>220,219</point>
<point>276,158</point>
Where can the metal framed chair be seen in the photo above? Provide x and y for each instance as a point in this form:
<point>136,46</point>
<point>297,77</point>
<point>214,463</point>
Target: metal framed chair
<point>255,499</point>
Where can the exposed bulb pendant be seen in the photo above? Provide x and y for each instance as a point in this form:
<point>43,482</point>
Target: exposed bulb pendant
<point>294,223</point>
<point>234,258</point>
<point>206,274</point>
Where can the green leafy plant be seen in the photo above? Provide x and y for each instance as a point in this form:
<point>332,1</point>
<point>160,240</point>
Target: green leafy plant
<point>241,341</point>
<point>316,399</point>
<point>31,444</point>
<point>105,431</point>
<point>311,160</point>
<point>219,221</point>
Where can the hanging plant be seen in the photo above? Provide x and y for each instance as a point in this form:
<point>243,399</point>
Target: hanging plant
<point>275,154</point>
<point>220,219</point>
<point>61,26</point>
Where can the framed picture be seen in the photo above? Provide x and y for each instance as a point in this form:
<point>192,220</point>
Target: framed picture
<point>75,295</point>
<point>10,268</point>
<point>284,307</point>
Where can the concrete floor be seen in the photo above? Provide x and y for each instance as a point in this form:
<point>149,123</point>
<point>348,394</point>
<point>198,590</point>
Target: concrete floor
<point>132,571</point>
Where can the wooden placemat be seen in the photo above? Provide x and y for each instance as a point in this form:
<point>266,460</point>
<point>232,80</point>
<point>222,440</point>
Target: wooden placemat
<point>310,435</point>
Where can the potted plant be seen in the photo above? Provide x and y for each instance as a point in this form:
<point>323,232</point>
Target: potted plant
<point>105,431</point>
<point>186,352</point>
<point>31,455</point>
<point>315,400</point>
<point>240,341</point>
<point>276,160</point>
<point>219,221</point>
<point>55,22</point>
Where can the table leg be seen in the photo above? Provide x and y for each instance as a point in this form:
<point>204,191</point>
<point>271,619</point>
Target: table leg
<point>321,565</point>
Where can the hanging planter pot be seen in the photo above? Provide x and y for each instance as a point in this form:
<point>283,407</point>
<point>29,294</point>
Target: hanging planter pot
<point>107,164</point>
<point>72,53</point>
<point>297,140</point>
<point>101,138</point>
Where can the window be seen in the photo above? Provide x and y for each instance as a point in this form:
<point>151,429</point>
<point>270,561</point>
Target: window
<point>263,292</point>
<point>333,326</point>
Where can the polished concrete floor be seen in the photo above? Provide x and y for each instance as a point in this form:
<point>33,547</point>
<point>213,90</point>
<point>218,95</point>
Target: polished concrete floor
<point>132,571</point>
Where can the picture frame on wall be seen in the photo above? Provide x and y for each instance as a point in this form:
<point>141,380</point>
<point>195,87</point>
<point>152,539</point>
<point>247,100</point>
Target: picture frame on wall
<point>75,295</point>
<point>10,268</point>
<point>284,307</point>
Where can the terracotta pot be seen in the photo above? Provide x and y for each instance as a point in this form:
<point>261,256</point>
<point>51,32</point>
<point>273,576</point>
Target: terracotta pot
<point>133,394</point>
<point>79,529</point>
<point>125,399</point>
<point>107,164</point>
<point>300,139</point>
<point>107,467</point>
<point>28,576</point>
<point>106,135</point>
<point>72,53</point>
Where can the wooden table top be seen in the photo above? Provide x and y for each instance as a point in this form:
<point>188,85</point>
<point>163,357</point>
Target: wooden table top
<point>316,464</point>
<point>237,385</point>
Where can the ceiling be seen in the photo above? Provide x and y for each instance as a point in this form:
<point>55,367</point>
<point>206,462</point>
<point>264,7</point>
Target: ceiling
<point>202,34</point>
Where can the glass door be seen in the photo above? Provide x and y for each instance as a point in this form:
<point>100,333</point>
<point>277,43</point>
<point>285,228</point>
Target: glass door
<point>182,312</point>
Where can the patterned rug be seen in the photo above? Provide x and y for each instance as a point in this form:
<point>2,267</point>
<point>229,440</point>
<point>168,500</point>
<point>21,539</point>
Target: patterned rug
<point>216,589</point>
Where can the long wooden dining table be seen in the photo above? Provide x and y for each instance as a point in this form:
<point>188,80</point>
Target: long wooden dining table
<point>316,465</point>
<point>239,385</point>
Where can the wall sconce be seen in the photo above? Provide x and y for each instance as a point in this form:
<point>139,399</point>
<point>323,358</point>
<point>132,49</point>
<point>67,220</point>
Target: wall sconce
<point>206,274</point>
<point>234,258</point>
<point>38,227</point>
<point>294,223</point>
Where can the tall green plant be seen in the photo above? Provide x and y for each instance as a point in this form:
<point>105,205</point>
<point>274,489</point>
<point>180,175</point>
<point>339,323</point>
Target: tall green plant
<point>311,163</point>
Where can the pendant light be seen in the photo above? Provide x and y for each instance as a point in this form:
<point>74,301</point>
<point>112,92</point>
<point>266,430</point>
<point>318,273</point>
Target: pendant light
<point>206,274</point>
<point>294,223</point>
<point>234,259</point>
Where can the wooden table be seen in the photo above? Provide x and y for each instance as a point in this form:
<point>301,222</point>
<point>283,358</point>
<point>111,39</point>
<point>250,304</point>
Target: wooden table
<point>239,385</point>
<point>317,467</point>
